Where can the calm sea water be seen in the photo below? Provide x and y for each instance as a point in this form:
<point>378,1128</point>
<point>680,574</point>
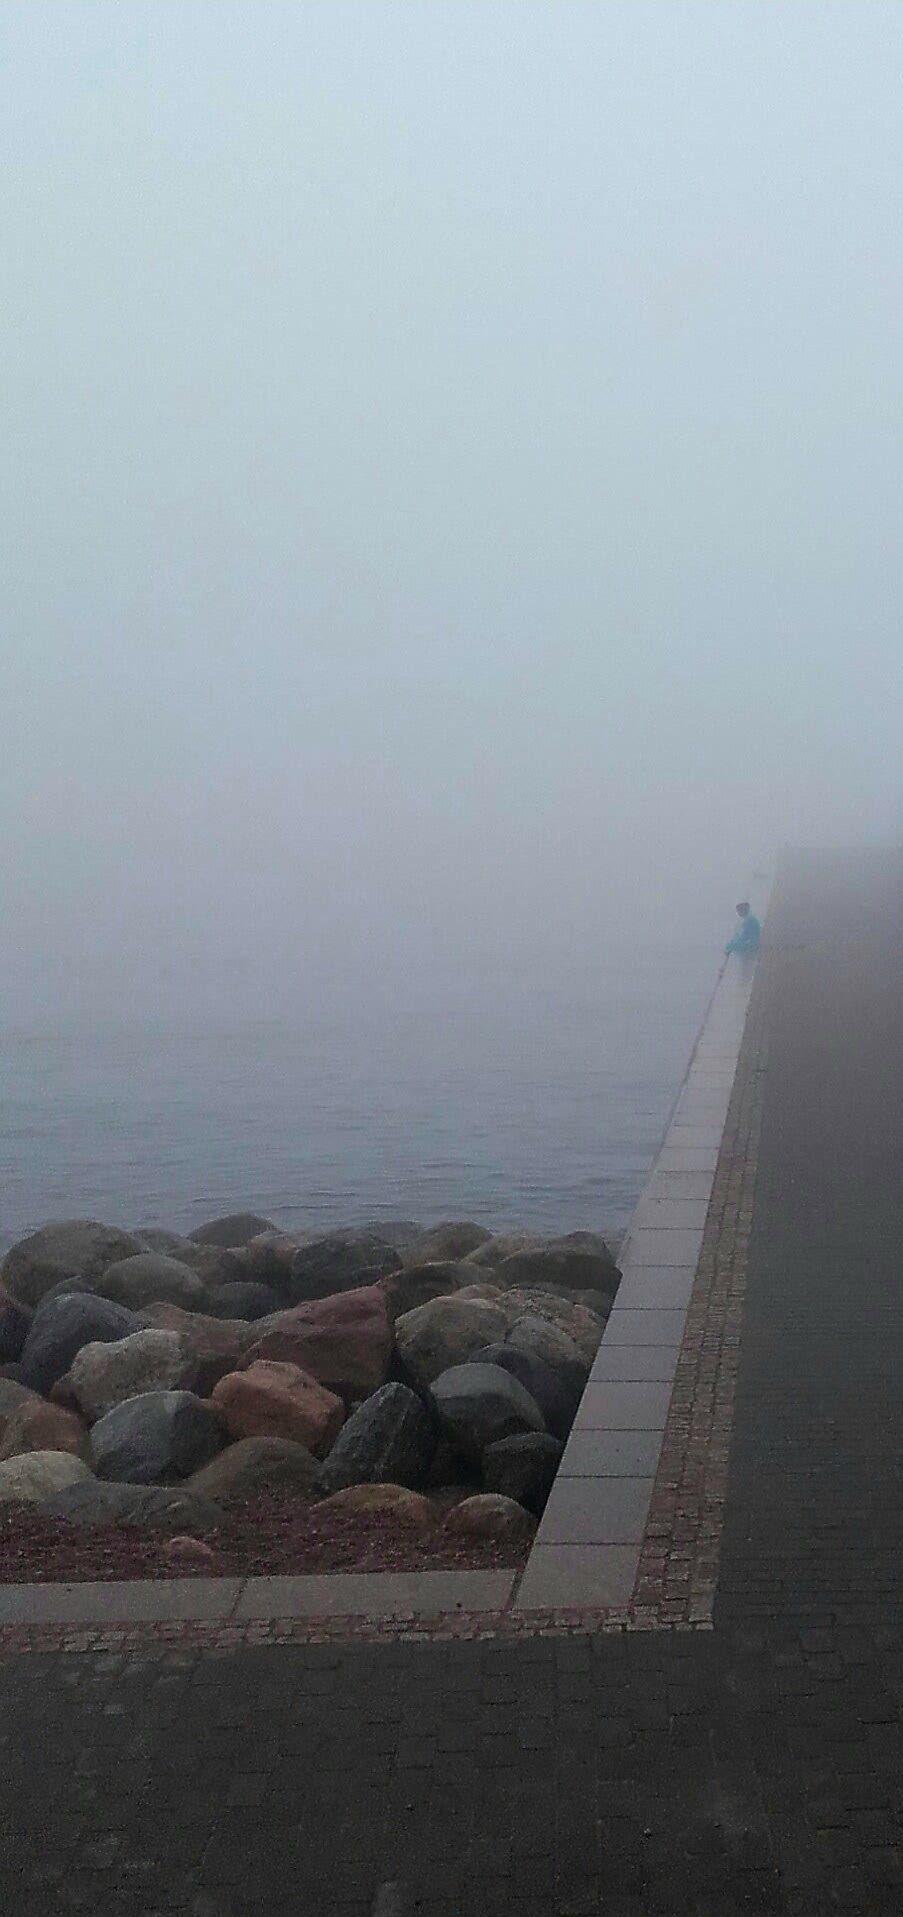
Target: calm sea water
<point>509,1105</point>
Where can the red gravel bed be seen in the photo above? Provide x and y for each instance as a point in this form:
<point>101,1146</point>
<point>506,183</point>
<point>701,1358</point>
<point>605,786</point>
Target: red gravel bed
<point>274,1535</point>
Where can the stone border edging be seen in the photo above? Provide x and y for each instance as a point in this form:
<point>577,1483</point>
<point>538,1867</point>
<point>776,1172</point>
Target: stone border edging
<point>591,1547</point>
<point>230,1600</point>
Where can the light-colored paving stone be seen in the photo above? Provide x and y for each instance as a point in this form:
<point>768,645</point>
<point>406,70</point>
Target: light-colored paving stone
<point>375,1594</point>
<point>587,1549</point>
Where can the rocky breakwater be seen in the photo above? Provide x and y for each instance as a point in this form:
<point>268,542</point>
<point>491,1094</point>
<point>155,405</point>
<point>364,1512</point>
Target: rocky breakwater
<point>380,1395</point>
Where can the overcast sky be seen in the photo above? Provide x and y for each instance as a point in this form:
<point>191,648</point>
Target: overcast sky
<point>451,498</point>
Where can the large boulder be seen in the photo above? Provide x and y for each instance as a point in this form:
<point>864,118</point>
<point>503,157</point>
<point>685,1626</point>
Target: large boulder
<point>242,1298</point>
<point>72,1248</point>
<point>215,1345</point>
<point>489,1516</point>
<point>271,1400</point>
<point>495,1250</point>
<point>479,1404</point>
<point>157,1238</point>
<point>446,1332</point>
<point>268,1258</point>
<point>401,1233</point>
<point>380,1500</point>
<point>556,1393</point>
<point>39,1426</point>
<point>213,1264</point>
<point>36,1474</point>
<point>14,1322</point>
<point>59,1329</point>
<point>258,1464</point>
<point>345,1342</point>
<point>151,1507</point>
<point>539,1339</point>
<point>560,1266</point>
<point>523,1468</point>
<point>584,1328</point>
<point>454,1239</point>
<point>158,1436</point>
<point>484,1287</point>
<point>341,1261</point>
<point>390,1439</point>
<point>237,1228</point>
<point>63,1288</point>
<point>417,1284</point>
<point>104,1375</point>
<point>12,1397</point>
<point>152,1279</point>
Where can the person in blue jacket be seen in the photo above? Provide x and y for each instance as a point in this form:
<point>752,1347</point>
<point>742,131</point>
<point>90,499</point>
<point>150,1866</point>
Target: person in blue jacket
<point>745,941</point>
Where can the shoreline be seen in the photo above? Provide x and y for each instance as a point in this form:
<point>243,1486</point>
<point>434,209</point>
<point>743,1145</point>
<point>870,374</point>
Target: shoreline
<point>365,1401</point>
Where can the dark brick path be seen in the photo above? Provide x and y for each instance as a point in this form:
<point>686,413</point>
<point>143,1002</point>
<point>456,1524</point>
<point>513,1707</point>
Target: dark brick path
<point>758,1768</point>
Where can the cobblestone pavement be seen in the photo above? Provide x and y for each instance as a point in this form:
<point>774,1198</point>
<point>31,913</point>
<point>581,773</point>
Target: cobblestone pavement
<point>754,1768</point>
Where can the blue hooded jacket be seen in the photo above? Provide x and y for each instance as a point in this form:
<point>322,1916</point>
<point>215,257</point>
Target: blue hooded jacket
<point>746,938</point>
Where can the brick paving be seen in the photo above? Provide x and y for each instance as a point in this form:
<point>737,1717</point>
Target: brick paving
<point>678,1569</point>
<point>754,1767</point>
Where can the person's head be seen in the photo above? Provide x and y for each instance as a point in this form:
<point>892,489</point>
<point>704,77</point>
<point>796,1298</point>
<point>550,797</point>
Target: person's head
<point>743,908</point>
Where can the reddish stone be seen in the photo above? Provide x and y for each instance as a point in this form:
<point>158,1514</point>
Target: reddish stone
<point>39,1426</point>
<point>193,1553</point>
<point>270,1400</point>
<point>345,1341</point>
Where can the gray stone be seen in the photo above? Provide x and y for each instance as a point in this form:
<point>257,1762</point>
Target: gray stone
<point>416,1284</point>
<point>216,1345</point>
<point>598,1302</point>
<point>152,1279</point>
<point>591,1243</point>
<point>557,1393</point>
<point>237,1228</point>
<point>478,1404</point>
<point>65,1287</point>
<point>258,1464</point>
<point>59,1329</point>
<point>104,1375</point>
<point>71,1248</point>
<point>401,1233</point>
<point>215,1264</point>
<point>537,1338</point>
<point>158,1508</point>
<point>445,1332</point>
<point>242,1298</point>
<point>523,1468</point>
<point>159,1435</point>
<point>456,1238</point>
<point>35,1474</point>
<point>341,1261</point>
<point>583,1327</point>
<point>267,1260</point>
<point>389,1439</point>
<point>157,1238</point>
<point>496,1250</point>
<point>14,1322</point>
<point>560,1267</point>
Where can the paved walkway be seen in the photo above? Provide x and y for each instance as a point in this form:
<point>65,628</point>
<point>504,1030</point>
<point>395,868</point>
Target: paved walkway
<point>753,1768</point>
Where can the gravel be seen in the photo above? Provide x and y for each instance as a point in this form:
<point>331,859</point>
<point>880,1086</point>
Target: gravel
<point>273,1535</point>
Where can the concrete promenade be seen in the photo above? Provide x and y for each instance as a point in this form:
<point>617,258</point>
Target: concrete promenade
<point>753,1767</point>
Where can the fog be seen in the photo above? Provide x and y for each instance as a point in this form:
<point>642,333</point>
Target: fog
<point>452,462</point>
